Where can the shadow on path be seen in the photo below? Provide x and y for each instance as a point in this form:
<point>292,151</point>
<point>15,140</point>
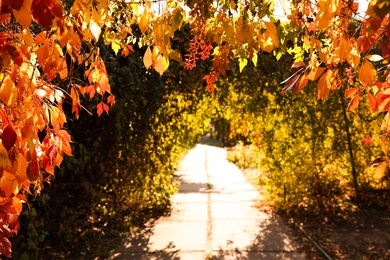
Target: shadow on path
<point>137,246</point>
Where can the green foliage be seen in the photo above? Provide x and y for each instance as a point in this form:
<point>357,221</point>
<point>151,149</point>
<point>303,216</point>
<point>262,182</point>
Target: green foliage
<point>301,144</point>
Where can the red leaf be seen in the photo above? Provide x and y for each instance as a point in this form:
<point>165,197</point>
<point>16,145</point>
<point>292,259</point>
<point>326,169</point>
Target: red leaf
<point>385,50</point>
<point>99,108</point>
<point>111,100</point>
<point>8,137</point>
<point>367,141</point>
<point>106,108</point>
<point>5,246</point>
<point>378,161</point>
<point>17,4</point>
<point>298,65</point>
<point>290,83</point>
<point>41,13</point>
<point>301,84</point>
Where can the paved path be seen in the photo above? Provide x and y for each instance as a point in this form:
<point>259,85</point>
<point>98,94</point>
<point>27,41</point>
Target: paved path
<point>212,218</point>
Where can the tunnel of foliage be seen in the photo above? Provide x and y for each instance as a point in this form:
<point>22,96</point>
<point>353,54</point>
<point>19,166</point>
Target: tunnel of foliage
<point>311,155</point>
<point>121,172</point>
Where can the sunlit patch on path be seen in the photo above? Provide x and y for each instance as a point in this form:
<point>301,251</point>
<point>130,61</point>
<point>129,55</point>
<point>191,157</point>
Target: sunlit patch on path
<point>213,217</point>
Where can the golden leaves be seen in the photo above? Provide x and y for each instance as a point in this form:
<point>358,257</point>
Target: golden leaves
<point>327,11</point>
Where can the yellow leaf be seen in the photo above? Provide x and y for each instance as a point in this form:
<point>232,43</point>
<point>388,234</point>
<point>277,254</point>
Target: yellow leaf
<point>242,63</point>
<point>174,55</point>
<point>367,74</point>
<point>254,58</point>
<point>353,58</point>
<point>144,23</point>
<point>148,58</point>
<point>23,15</point>
<point>115,46</point>
<point>7,93</point>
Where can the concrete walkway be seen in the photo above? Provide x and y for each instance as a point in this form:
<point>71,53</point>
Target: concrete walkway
<point>213,217</point>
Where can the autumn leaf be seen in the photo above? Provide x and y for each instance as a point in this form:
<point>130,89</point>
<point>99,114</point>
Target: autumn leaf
<point>351,92</point>
<point>5,244</point>
<point>354,103</point>
<point>272,33</point>
<point>367,74</point>
<point>316,73</point>
<point>367,141</point>
<point>325,84</point>
<point>8,137</point>
<point>7,92</point>
<point>373,103</point>
<point>4,160</point>
<point>380,171</point>
<point>148,58</point>
<point>23,15</point>
<point>144,22</point>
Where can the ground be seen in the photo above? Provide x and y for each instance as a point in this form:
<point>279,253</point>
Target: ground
<point>362,234</point>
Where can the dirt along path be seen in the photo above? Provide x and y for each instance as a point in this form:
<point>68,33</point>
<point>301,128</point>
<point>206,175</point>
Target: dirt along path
<point>213,217</point>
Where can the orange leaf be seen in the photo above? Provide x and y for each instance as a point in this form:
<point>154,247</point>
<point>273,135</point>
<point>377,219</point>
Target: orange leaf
<point>373,103</point>
<point>380,171</point>
<point>21,172</point>
<point>354,103</point>
<point>301,84</point>
<point>23,14</point>
<point>144,23</point>
<point>99,108</point>
<point>316,73</point>
<point>351,92</point>
<point>8,184</point>
<point>367,74</point>
<point>148,58</point>
<point>324,85</point>
<point>271,29</point>
<point>384,105</point>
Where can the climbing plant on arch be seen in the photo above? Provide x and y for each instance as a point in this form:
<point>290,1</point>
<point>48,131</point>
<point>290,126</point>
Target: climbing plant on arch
<point>44,43</point>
